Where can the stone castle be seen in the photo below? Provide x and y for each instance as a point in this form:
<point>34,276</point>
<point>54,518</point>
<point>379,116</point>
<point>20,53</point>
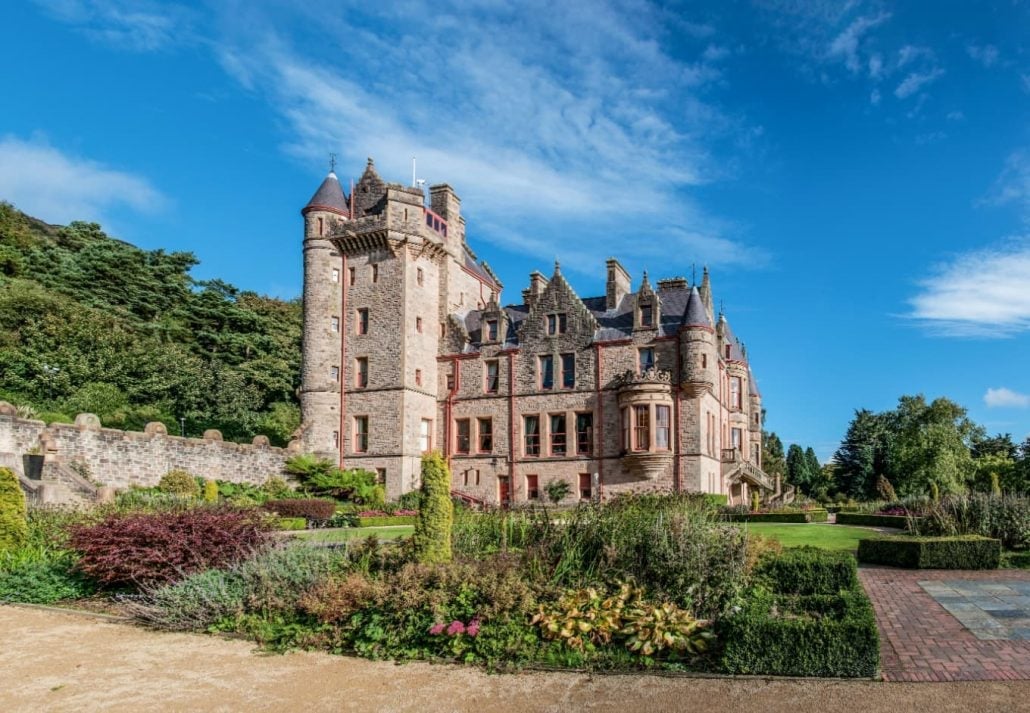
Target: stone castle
<point>407,348</point>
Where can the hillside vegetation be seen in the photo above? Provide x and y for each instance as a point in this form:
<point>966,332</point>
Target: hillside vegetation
<point>93,324</point>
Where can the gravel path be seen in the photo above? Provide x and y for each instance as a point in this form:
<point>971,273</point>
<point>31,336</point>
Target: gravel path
<point>56,661</point>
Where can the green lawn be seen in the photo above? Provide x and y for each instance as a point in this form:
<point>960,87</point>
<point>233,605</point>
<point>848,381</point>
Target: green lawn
<point>350,533</point>
<point>827,537</point>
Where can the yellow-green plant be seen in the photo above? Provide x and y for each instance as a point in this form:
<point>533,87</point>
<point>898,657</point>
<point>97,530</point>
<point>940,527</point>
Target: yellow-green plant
<point>210,491</point>
<point>995,484</point>
<point>179,482</point>
<point>651,629</point>
<point>935,492</point>
<point>13,526</point>
<point>756,502</point>
<point>432,538</point>
<point>583,617</point>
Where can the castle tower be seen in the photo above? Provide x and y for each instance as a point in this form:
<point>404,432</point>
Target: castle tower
<point>323,321</point>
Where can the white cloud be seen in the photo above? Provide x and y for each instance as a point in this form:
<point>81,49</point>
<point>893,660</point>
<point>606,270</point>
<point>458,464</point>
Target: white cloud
<point>987,55</point>
<point>846,44</point>
<point>979,294</point>
<point>916,81</point>
<point>1012,187</point>
<point>44,182</point>
<point>1006,398</point>
<point>135,25</point>
<point>874,97</point>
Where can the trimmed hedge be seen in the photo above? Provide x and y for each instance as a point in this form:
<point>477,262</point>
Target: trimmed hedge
<point>864,519</point>
<point>385,520</point>
<point>807,571</point>
<point>309,508</point>
<point>815,635</point>
<point>955,552</point>
<point>800,516</point>
<point>291,523</point>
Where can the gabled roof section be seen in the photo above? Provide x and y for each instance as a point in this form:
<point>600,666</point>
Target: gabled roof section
<point>558,283</point>
<point>736,348</point>
<point>752,385</point>
<point>329,197</point>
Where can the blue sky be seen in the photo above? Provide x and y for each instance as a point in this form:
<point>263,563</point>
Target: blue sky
<point>856,174</point>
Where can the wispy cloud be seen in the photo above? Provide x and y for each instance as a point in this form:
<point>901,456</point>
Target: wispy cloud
<point>846,44</point>
<point>979,294</point>
<point>915,81</point>
<point>134,25</point>
<point>1012,187</point>
<point>1006,398</point>
<point>57,187</point>
<point>987,55</point>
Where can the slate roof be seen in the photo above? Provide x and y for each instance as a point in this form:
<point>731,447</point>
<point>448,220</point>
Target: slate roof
<point>695,313</point>
<point>479,270</point>
<point>736,348</point>
<point>329,196</point>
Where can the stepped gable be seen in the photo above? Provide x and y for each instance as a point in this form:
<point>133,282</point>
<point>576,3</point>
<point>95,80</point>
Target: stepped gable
<point>329,197</point>
<point>369,192</point>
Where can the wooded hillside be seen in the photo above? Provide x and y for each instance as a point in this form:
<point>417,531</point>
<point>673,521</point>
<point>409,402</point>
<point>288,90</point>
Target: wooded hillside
<point>89,323</point>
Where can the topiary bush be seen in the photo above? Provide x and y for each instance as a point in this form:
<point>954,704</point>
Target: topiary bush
<point>956,552</point>
<point>314,509</point>
<point>179,482</point>
<point>154,548</point>
<point>13,526</point>
<point>432,538</point>
<point>808,570</point>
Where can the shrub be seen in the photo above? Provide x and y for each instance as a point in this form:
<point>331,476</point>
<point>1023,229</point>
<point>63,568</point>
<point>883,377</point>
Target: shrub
<point>862,519</point>
<point>782,516</point>
<point>432,539</point>
<point>955,552</point>
<point>150,500</point>
<point>1005,517</point>
<point>817,635</point>
<point>291,523</point>
<point>210,491</point>
<point>179,482</point>
<point>385,520</point>
<point>13,525</point>
<point>147,549</point>
<point>557,490</point>
<point>41,580</point>
<point>807,570</point>
<point>310,508</point>
<point>276,487</point>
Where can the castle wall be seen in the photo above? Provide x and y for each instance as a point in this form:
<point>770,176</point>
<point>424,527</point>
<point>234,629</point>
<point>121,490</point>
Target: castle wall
<point>123,458</point>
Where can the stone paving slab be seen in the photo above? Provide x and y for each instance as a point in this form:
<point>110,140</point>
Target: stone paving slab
<point>946,625</point>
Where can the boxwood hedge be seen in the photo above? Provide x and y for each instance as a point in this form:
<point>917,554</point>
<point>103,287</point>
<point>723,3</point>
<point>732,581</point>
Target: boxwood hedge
<point>951,552</point>
<point>808,570</point>
<point>800,516</point>
<point>864,519</point>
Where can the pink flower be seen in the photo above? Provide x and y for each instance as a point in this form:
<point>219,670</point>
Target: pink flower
<point>455,628</point>
<point>436,629</point>
<point>473,628</point>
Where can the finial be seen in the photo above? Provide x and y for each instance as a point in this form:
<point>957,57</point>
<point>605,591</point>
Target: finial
<point>693,273</point>
<point>332,163</point>
<point>557,265</point>
<point>371,162</point>
<point>722,312</point>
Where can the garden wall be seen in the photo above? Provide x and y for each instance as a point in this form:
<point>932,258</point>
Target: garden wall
<point>123,458</point>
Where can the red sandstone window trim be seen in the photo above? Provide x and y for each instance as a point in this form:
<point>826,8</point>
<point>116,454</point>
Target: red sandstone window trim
<point>584,432</point>
<point>531,436</point>
<point>492,376</point>
<point>485,435</point>
<point>568,371</point>
<point>462,436</point>
<point>585,490</point>
<point>361,372</point>
<point>558,434</point>
<point>532,487</point>
<point>662,431</point>
<point>361,434</point>
<point>641,428</point>
<point>361,324</point>
<point>546,364</point>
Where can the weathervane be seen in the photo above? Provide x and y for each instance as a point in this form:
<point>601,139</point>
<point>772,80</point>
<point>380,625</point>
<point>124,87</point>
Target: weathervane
<point>332,163</point>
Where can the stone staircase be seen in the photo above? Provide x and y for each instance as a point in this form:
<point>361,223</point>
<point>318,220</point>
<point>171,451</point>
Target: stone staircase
<point>58,485</point>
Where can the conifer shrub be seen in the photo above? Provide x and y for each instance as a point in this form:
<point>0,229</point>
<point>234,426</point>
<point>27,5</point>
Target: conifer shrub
<point>13,525</point>
<point>432,538</point>
<point>179,482</point>
<point>154,548</point>
<point>210,491</point>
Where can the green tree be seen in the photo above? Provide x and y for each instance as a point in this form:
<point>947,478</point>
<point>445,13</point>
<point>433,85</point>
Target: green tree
<point>797,468</point>
<point>774,462</point>
<point>432,538</point>
<point>861,456</point>
<point>930,442</point>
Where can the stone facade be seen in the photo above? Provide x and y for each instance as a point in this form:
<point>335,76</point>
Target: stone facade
<point>632,390</point>
<point>120,459</point>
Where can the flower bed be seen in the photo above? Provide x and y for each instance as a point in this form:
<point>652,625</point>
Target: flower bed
<point>956,552</point>
<point>875,520</point>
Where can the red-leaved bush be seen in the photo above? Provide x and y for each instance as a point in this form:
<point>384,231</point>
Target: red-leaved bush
<point>310,508</point>
<point>156,548</point>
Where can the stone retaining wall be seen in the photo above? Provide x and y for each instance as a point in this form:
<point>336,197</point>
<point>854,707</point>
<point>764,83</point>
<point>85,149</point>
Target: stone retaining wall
<point>123,458</point>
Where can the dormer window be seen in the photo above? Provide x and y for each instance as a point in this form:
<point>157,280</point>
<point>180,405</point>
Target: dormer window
<point>646,315</point>
<point>646,359</point>
<point>727,351</point>
<point>491,330</point>
<point>557,323</point>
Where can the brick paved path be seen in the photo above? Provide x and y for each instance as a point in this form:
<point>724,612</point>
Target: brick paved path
<point>921,641</point>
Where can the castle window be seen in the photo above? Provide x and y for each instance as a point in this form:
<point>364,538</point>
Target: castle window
<point>425,435</point>
<point>735,393</point>
<point>485,427</point>
<point>320,229</point>
<point>362,325</point>
<point>350,276</point>
<point>727,351</point>
<point>585,491</point>
<point>463,435</point>
<point>646,359</point>
<point>334,324</point>
<point>661,430</point>
<point>532,428</point>
<point>558,435</point>
<point>334,373</point>
<point>547,372</point>
<point>736,438</point>
<point>493,379</point>
<point>418,325</point>
<point>361,434</point>
<point>420,276</point>
<point>336,439</point>
<point>381,476</point>
<point>704,361</point>
<point>568,371</point>
<point>758,419</point>
<point>625,429</point>
<point>557,323</point>
<point>491,330</point>
<point>532,487</point>
<point>361,372</point>
<point>418,377</point>
<point>641,428</point>
<point>336,275</point>
<point>584,432</point>
<point>443,329</point>
<point>375,273</point>
<point>646,315</point>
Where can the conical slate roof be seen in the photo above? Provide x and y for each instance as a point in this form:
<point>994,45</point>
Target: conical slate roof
<point>695,314</point>
<point>736,351</point>
<point>329,196</point>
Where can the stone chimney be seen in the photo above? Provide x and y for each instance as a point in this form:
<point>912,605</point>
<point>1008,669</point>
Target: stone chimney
<point>618,284</point>
<point>537,283</point>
